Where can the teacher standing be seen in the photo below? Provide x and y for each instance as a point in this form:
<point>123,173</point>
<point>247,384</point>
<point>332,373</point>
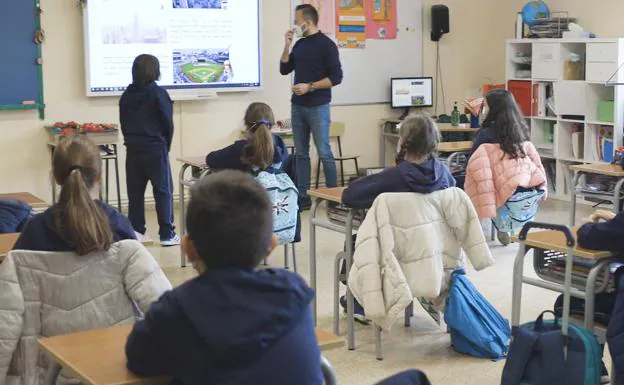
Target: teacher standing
<point>316,63</point>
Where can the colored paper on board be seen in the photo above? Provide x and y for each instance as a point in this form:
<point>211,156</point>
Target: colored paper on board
<point>327,15</point>
<point>381,18</point>
<point>350,24</point>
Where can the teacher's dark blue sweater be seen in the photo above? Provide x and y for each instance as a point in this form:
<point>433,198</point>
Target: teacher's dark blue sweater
<point>230,326</point>
<point>314,58</point>
<point>146,116</point>
<point>40,233</point>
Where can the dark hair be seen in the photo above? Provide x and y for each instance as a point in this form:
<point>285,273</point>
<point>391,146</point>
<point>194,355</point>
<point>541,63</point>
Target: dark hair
<point>230,220</point>
<point>78,219</point>
<point>420,137</point>
<point>145,69</point>
<point>259,149</point>
<point>507,122</point>
<point>309,13</point>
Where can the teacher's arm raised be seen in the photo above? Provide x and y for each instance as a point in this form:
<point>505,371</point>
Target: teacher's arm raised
<point>286,63</point>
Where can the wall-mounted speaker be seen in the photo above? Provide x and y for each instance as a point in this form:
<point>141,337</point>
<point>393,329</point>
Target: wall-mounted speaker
<point>440,21</point>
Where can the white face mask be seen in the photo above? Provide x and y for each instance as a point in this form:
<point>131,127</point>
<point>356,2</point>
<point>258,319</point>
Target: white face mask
<point>299,31</point>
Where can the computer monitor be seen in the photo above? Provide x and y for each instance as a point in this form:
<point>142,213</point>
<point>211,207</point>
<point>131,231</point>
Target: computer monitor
<point>411,92</point>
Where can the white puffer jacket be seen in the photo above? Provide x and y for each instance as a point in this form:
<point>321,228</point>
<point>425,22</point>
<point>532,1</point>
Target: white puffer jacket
<point>44,294</point>
<point>407,247</point>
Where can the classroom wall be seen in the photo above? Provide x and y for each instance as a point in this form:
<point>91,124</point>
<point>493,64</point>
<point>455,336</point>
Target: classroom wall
<point>601,17</point>
<point>471,54</point>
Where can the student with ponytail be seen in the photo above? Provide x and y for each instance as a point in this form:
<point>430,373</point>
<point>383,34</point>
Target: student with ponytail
<point>260,149</point>
<point>76,222</point>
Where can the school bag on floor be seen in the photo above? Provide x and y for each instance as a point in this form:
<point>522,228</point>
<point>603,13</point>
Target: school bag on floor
<point>284,196</point>
<point>536,355</point>
<point>476,327</point>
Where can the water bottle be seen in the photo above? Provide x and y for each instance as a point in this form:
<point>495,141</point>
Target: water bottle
<point>455,116</point>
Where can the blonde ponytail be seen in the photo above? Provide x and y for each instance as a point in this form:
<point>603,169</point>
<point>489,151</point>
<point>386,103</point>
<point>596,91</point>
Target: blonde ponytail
<point>78,219</point>
<point>259,151</point>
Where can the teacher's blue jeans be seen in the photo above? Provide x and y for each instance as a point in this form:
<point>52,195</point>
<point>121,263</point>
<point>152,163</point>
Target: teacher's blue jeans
<point>315,121</point>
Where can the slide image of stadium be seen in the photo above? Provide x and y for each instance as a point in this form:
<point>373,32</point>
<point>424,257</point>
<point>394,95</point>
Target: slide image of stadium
<point>205,4</point>
<point>201,66</point>
<point>418,100</point>
<point>135,30</point>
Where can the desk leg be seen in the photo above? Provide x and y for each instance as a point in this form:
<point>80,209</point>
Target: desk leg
<point>590,287</point>
<point>313,209</point>
<point>382,145</point>
<point>349,262</point>
<point>617,196</point>
<point>107,171</point>
<point>52,181</point>
<point>516,293</point>
<point>182,212</point>
<point>572,188</point>
<point>116,160</point>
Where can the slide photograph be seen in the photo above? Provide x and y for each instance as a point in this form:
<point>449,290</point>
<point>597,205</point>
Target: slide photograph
<point>205,4</point>
<point>199,65</point>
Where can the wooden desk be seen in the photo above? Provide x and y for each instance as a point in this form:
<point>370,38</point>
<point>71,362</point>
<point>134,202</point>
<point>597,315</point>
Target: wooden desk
<point>97,357</point>
<point>610,170</point>
<point>7,241</point>
<point>187,161</point>
<point>463,146</point>
<point>25,197</point>
<point>333,194</point>
<point>555,240</point>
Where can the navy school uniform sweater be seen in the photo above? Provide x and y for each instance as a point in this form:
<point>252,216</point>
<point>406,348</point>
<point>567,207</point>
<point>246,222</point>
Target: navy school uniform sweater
<point>608,235</point>
<point>146,116</point>
<point>423,178</point>
<point>14,215</point>
<point>230,157</point>
<point>230,326</point>
<point>40,233</point>
<point>314,58</point>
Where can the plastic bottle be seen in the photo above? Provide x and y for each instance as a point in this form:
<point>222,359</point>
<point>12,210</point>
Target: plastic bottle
<point>455,116</point>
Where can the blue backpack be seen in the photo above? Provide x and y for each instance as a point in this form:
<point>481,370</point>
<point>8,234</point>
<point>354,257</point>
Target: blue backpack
<point>476,328</point>
<point>537,355</point>
<point>284,196</point>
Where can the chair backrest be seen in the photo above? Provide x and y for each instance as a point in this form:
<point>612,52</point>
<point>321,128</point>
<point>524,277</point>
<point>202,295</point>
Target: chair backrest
<point>337,129</point>
<point>328,372</point>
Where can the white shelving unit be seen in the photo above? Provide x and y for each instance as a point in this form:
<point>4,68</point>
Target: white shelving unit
<point>567,126</point>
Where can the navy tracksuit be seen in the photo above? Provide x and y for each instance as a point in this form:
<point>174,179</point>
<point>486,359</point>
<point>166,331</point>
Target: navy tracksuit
<point>146,116</point>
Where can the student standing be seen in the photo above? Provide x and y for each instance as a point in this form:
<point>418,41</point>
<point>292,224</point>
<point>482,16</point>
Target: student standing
<point>146,115</point>
<point>316,64</point>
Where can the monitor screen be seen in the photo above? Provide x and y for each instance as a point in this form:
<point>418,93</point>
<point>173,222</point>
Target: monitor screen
<point>412,92</point>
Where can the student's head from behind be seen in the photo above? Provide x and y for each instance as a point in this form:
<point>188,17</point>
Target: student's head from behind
<point>259,150</point>
<point>145,70</point>
<point>76,166</point>
<point>419,138</point>
<point>229,222</point>
<point>507,122</point>
<point>306,18</point>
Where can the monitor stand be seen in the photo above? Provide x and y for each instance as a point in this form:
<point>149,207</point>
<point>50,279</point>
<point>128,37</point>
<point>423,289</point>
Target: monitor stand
<point>405,113</point>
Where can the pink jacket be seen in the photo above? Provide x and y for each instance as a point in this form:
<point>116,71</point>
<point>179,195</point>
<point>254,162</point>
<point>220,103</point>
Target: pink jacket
<point>492,177</point>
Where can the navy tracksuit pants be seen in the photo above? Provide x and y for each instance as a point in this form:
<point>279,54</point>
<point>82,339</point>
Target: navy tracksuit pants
<point>150,165</point>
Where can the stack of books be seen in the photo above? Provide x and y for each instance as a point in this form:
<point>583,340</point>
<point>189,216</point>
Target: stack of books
<point>337,214</point>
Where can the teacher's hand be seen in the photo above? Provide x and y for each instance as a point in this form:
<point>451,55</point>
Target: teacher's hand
<point>301,89</point>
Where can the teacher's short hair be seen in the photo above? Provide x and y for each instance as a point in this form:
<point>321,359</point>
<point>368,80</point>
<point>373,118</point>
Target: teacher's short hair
<point>309,13</point>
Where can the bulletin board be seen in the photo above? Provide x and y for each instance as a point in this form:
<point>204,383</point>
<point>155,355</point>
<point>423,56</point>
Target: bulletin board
<point>377,40</point>
<point>21,77</point>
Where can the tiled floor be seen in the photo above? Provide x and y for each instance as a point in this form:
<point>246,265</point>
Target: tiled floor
<point>424,345</point>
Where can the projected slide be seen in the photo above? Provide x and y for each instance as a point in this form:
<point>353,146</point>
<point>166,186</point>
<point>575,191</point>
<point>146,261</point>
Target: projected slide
<point>199,43</point>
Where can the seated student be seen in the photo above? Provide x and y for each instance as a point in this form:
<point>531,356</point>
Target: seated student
<point>260,148</point>
<point>67,272</point>
<point>234,323</point>
<point>505,178</point>
<point>76,222</point>
<point>417,170</point>
<point>14,215</point>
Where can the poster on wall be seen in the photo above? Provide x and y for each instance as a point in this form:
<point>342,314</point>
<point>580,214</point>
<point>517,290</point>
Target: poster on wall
<point>350,24</point>
<point>381,18</point>
<point>327,15</point>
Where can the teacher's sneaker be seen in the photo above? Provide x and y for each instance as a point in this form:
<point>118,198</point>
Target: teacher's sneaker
<point>173,241</point>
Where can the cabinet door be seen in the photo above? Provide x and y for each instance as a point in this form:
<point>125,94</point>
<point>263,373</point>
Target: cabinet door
<point>602,52</point>
<point>600,72</point>
<point>570,98</point>
<point>521,91</point>
<point>546,61</point>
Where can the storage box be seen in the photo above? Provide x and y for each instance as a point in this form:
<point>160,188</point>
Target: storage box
<point>607,150</point>
<point>573,70</point>
<point>605,111</point>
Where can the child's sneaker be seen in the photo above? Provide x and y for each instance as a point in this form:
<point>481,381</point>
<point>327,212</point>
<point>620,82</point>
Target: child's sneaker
<point>358,310</point>
<point>173,241</point>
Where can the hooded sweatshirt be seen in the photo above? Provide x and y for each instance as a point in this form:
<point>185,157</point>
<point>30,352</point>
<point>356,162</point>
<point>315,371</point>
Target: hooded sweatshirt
<point>230,326</point>
<point>229,158</point>
<point>423,178</point>
<point>13,215</point>
<point>40,233</point>
<point>146,116</point>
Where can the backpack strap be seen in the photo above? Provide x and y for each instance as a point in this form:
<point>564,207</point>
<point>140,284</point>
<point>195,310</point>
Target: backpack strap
<point>518,357</point>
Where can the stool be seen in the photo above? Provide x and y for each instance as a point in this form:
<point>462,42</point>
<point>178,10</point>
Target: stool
<point>336,131</point>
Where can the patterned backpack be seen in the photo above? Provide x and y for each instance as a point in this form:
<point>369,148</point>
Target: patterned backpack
<point>284,196</point>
